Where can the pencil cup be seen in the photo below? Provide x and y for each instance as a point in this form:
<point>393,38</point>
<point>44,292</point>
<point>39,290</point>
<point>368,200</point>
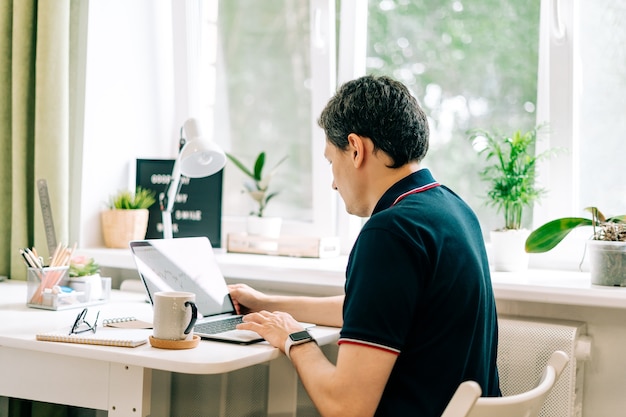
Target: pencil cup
<point>43,285</point>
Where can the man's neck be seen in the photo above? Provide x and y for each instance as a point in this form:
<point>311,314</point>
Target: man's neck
<point>386,178</point>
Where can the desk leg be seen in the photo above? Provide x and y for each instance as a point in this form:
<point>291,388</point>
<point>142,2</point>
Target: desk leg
<point>129,390</point>
<point>4,406</point>
<point>283,388</point>
<point>160,405</point>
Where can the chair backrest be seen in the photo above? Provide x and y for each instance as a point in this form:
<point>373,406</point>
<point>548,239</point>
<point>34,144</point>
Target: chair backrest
<point>526,404</point>
<point>463,400</point>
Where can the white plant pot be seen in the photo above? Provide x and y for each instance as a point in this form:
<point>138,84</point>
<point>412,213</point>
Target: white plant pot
<point>509,254</point>
<point>264,226</point>
<point>91,285</point>
<point>607,263</point>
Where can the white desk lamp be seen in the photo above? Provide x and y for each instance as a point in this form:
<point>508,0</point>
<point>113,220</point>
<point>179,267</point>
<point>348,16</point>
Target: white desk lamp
<point>199,157</point>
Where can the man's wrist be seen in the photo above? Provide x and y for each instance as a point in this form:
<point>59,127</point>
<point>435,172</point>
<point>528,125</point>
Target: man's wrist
<point>297,338</point>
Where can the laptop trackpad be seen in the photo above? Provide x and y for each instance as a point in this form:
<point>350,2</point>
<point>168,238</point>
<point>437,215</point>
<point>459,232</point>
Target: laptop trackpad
<point>237,336</point>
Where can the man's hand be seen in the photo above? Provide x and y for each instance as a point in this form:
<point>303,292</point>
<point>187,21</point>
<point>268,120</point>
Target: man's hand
<point>274,327</point>
<point>246,299</point>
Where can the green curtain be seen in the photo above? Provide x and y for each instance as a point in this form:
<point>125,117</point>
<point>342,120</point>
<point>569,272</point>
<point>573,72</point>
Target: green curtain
<point>34,124</point>
<point>34,142</point>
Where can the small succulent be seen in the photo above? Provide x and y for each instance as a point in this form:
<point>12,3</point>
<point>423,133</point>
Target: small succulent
<point>81,266</point>
<point>258,188</point>
<point>125,200</point>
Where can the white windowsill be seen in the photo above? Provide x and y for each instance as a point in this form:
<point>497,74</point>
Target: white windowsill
<point>302,274</point>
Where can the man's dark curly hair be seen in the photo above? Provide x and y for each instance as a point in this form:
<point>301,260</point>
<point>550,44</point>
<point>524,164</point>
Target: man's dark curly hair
<point>381,109</point>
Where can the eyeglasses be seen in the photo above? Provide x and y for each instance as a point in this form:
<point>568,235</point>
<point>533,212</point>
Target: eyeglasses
<point>80,320</point>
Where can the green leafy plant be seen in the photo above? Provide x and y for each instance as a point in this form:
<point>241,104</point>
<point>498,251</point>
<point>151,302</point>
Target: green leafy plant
<point>81,266</point>
<point>552,233</point>
<point>125,200</point>
<point>510,172</point>
<point>258,187</point>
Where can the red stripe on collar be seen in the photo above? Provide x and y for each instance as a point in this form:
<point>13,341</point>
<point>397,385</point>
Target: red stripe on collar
<point>416,190</point>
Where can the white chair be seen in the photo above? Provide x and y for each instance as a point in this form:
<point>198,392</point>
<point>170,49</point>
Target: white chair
<point>526,404</point>
<point>463,400</point>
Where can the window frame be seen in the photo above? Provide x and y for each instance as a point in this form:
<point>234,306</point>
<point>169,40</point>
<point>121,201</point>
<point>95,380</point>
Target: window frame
<point>558,99</point>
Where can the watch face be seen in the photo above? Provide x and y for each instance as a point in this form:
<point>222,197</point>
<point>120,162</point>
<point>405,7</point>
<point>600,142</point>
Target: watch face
<point>300,336</point>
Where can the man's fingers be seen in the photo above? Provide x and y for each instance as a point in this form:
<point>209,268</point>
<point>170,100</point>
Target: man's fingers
<point>249,325</point>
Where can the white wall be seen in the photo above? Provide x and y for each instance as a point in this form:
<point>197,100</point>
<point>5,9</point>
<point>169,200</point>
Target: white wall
<point>129,101</point>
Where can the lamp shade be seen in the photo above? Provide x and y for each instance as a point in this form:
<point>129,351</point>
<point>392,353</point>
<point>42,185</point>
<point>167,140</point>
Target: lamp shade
<point>199,157</point>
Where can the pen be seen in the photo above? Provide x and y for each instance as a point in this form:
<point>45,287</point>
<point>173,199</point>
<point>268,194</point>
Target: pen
<point>34,259</point>
<point>31,261</point>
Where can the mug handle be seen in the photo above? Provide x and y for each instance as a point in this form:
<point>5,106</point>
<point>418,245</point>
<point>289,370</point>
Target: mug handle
<point>194,315</point>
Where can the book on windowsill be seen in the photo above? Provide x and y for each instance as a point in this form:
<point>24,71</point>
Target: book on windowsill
<point>106,336</point>
<point>294,246</point>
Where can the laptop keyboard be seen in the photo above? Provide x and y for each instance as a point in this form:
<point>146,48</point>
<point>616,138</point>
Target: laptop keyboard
<point>218,326</point>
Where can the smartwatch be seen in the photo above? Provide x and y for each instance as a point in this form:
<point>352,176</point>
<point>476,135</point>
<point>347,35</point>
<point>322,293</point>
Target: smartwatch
<point>297,338</point>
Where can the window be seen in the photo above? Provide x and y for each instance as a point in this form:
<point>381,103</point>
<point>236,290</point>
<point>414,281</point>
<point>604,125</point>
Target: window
<point>471,64</point>
<point>261,71</point>
<point>581,91</point>
<point>273,68</point>
<point>508,65</point>
<point>602,35</point>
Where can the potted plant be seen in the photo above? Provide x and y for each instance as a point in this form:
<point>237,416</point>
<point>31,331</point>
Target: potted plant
<point>511,176</point>
<point>258,188</point>
<point>126,217</point>
<point>82,266</point>
<point>607,247</point>
<point>84,275</point>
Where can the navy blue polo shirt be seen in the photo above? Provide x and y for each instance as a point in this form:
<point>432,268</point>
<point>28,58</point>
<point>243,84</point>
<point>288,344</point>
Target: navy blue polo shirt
<point>418,285</point>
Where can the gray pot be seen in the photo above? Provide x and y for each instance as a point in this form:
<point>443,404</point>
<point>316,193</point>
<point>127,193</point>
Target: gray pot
<point>607,261</point>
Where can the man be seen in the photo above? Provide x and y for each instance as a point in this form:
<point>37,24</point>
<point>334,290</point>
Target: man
<point>418,316</point>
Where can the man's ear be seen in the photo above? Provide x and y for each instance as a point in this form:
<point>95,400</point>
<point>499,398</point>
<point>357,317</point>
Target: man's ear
<point>356,149</point>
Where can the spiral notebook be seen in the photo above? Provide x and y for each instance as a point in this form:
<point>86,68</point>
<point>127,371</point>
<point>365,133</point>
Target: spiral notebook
<point>106,336</point>
<point>127,323</point>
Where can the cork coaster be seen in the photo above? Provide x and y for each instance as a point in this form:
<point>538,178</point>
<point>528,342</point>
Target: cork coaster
<point>175,344</point>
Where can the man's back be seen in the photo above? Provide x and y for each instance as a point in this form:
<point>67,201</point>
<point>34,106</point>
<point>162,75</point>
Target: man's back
<point>418,284</point>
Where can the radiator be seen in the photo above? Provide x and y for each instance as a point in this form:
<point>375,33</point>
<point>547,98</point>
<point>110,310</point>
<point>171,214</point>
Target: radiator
<point>525,344</point>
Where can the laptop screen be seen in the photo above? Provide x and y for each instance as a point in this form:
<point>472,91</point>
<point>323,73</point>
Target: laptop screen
<point>183,264</point>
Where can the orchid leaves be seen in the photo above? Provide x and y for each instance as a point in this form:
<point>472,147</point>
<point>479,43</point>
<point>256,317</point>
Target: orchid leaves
<point>257,188</point>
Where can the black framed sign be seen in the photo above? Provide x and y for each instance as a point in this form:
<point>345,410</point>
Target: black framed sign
<point>198,207</point>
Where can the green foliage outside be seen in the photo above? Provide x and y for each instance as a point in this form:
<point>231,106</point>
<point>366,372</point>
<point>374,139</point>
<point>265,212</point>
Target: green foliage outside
<point>267,72</point>
<point>471,64</point>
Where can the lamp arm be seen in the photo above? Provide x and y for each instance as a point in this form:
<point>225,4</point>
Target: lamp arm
<point>173,187</point>
<point>170,199</point>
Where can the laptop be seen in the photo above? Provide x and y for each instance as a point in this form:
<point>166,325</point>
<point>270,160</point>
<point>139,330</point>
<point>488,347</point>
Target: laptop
<point>189,264</point>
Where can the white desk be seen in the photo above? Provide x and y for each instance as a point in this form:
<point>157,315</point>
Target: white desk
<point>114,378</point>
<point>548,294</point>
